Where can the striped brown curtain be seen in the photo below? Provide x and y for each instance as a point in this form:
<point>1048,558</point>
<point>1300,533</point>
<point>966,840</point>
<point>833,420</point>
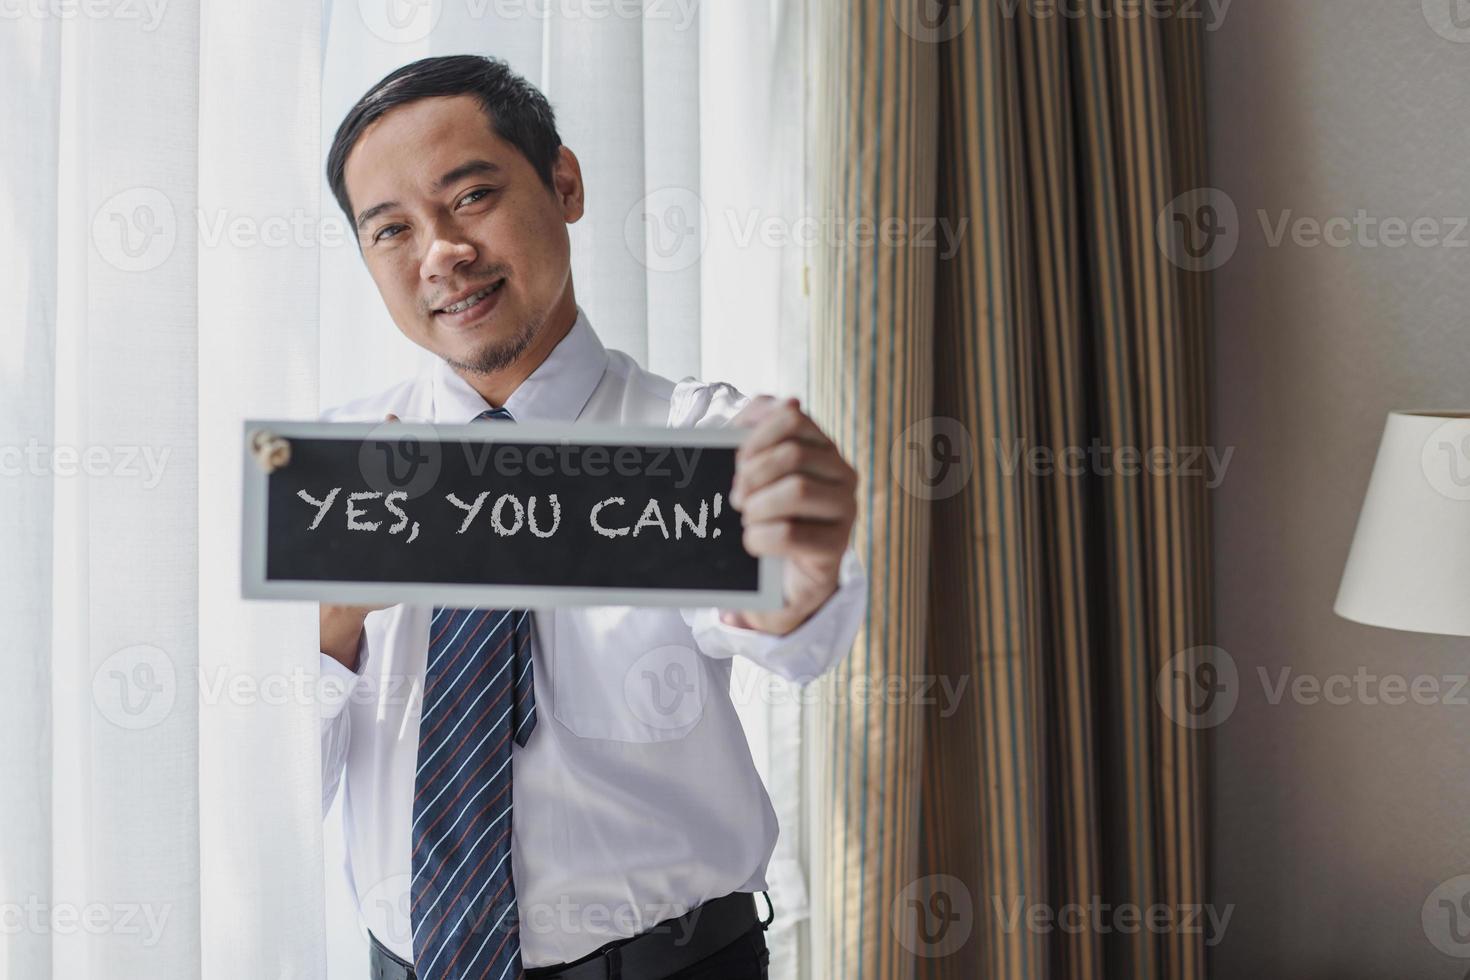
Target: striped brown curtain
<point>1016,367</point>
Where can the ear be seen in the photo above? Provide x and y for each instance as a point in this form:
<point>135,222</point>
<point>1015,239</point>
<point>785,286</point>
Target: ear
<point>566,179</point>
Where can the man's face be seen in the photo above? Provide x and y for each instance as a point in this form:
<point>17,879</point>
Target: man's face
<point>445,209</point>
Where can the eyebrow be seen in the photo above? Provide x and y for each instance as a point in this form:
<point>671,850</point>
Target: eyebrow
<point>467,169</point>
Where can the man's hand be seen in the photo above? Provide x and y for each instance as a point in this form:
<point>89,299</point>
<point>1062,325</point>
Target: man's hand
<point>341,626</point>
<point>342,631</point>
<point>797,500</point>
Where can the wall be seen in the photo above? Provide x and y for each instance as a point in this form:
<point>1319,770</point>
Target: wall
<point>1333,823</point>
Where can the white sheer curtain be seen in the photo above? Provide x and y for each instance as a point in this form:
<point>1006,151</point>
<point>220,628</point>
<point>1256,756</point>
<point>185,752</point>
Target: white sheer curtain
<point>157,810</point>
<point>174,265</point>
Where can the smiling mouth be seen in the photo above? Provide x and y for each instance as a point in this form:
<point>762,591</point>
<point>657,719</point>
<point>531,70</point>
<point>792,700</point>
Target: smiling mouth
<point>472,301</point>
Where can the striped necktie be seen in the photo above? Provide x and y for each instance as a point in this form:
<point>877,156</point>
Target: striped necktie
<point>477,697</point>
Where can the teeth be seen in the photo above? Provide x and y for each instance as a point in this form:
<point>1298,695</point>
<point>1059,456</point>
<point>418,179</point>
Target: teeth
<point>471,300</point>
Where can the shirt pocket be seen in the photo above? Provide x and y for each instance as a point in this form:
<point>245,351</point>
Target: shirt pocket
<point>627,674</point>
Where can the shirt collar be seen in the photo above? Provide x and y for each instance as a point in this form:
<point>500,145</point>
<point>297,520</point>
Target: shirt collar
<point>556,391</point>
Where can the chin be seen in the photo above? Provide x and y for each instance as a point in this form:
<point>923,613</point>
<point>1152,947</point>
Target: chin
<point>492,349</point>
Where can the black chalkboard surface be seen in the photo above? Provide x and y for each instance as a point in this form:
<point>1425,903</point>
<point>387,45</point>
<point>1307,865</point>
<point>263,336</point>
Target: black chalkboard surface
<point>496,514</point>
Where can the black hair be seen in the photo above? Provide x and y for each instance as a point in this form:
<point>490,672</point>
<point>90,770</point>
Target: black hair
<point>516,110</point>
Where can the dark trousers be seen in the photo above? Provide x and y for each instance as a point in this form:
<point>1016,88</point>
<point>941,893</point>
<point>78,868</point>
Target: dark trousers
<point>747,958</point>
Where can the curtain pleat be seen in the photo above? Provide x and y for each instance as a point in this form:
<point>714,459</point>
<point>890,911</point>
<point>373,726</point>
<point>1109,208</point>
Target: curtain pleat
<point>121,716</point>
<point>872,382</point>
<point>259,153</point>
<point>1048,601</point>
<point>29,55</point>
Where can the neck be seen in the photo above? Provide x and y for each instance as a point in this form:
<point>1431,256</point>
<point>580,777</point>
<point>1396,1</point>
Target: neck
<point>498,386</point>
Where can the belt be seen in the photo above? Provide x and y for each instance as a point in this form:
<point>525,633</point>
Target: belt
<point>668,947</point>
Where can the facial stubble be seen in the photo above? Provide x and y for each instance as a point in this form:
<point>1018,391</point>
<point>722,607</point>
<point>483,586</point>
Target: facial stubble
<point>497,355</point>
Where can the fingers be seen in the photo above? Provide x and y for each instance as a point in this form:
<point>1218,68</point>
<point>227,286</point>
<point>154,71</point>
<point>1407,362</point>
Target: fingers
<point>756,409</point>
<point>796,539</point>
<point>778,423</point>
<point>390,417</point>
<point>733,617</point>
<point>799,497</point>
<point>822,463</point>
<point>788,468</point>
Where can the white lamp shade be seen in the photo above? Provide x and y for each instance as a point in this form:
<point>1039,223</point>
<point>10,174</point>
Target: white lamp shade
<point>1409,567</point>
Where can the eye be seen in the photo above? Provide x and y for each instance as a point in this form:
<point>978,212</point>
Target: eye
<point>475,195</point>
<point>382,233</point>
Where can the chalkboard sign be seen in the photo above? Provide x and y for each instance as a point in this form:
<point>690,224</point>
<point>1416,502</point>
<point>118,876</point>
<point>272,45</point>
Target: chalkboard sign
<point>496,514</point>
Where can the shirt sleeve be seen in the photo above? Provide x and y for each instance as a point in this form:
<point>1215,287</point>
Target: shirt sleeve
<point>818,644</point>
<point>337,685</point>
<point>807,652</point>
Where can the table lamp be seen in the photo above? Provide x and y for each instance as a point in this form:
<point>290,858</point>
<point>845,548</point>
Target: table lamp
<point>1409,567</point>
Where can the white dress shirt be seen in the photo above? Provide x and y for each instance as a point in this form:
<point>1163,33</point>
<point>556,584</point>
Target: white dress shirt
<point>634,800</point>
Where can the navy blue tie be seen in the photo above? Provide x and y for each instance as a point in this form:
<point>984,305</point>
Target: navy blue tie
<point>478,698</point>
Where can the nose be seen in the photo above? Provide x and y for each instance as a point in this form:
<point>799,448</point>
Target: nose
<point>447,252</point>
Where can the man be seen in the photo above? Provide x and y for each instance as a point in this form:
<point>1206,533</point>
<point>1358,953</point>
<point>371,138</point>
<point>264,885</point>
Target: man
<point>636,840</point>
